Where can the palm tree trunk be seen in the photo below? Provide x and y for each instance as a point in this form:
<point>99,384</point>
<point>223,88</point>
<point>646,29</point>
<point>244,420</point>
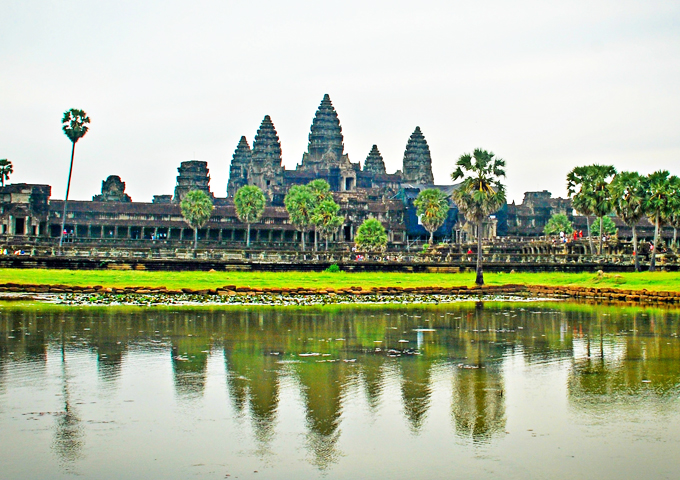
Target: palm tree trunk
<point>248,237</point>
<point>316,248</point>
<point>675,237</point>
<point>599,251</point>
<point>195,238</point>
<point>479,279</point>
<point>652,263</point>
<point>302,239</point>
<point>635,250</point>
<point>590,237</point>
<point>326,238</point>
<point>68,187</point>
<point>431,237</point>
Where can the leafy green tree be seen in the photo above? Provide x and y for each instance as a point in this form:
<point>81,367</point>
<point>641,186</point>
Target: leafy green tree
<point>300,204</point>
<point>559,222</point>
<point>196,206</point>
<point>322,192</point>
<point>75,125</point>
<point>432,207</point>
<point>5,170</point>
<point>608,226</point>
<point>249,202</point>
<point>371,236</point>
<point>628,198</point>
<point>480,194</point>
<point>657,206</point>
<point>326,219</point>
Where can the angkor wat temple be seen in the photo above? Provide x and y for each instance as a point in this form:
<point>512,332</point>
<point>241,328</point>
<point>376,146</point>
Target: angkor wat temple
<point>28,214</point>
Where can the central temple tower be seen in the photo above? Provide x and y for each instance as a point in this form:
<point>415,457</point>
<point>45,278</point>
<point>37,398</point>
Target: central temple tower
<point>325,139</point>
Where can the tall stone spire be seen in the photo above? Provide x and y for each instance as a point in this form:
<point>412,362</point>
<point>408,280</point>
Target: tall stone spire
<point>325,135</point>
<point>266,157</point>
<point>417,160</point>
<point>374,162</point>
<point>238,170</point>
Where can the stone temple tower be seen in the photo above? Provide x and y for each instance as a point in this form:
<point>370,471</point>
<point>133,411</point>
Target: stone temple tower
<point>374,162</point>
<point>266,169</point>
<point>325,138</point>
<point>238,170</point>
<point>417,160</point>
<point>193,175</point>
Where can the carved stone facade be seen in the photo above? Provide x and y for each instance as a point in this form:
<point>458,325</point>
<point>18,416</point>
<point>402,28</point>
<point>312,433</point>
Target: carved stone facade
<point>193,175</point>
<point>113,190</point>
<point>529,217</point>
<point>24,209</point>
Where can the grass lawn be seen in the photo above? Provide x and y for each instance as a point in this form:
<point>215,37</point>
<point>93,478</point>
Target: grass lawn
<point>669,281</point>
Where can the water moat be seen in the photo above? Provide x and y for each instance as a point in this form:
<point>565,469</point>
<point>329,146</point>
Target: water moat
<point>462,390</point>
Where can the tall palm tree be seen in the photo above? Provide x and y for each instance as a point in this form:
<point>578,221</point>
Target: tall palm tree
<point>249,202</point>
<point>659,190</point>
<point>601,175</point>
<point>432,207</point>
<point>577,189</point>
<point>326,219</point>
<point>480,194</point>
<point>5,170</point>
<point>75,125</point>
<point>593,197</point>
<point>196,206</point>
<point>673,214</point>
<point>628,197</point>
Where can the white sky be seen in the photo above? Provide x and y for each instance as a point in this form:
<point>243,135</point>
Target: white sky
<point>546,85</point>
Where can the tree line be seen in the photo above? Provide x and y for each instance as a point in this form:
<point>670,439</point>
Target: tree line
<point>599,190</point>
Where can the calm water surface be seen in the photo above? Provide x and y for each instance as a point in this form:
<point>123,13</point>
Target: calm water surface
<point>458,391</point>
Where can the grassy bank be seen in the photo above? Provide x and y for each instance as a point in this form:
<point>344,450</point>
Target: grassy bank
<point>659,281</point>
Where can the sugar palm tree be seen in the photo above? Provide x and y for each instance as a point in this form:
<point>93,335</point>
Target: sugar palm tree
<point>480,194</point>
<point>326,219</point>
<point>196,206</point>
<point>593,196</point>
<point>600,176</point>
<point>5,170</point>
<point>432,207</point>
<point>322,192</point>
<point>75,125</point>
<point>249,202</point>
<point>659,190</point>
<point>577,189</point>
<point>300,203</point>
<point>673,213</point>
<point>628,198</point>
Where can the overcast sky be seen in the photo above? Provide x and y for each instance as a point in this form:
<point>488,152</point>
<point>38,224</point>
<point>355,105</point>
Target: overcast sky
<point>545,85</point>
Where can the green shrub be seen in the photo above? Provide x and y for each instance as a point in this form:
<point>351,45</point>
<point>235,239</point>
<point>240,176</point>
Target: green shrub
<point>333,268</point>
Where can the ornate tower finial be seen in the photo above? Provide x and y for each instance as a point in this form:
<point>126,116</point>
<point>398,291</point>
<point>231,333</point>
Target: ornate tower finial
<point>417,160</point>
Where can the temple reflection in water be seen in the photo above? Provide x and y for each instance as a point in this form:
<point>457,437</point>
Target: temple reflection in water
<point>326,359</point>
